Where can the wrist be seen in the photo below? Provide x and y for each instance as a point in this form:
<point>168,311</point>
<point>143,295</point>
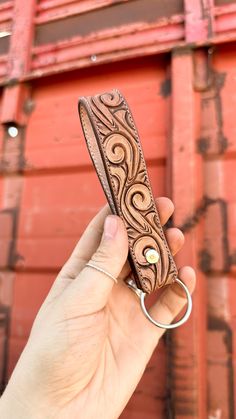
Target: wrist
<point>24,397</point>
<point>23,406</point>
<point>10,406</point>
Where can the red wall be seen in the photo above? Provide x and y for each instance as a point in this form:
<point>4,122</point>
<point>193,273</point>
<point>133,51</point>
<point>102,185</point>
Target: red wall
<point>182,94</point>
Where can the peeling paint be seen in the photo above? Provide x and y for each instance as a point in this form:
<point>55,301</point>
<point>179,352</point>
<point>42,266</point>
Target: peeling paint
<point>219,83</point>
<point>6,163</point>
<point>28,106</point>
<point>13,213</point>
<point>217,143</point>
<point>116,15</point>
<point>199,212</point>
<point>205,261</point>
<point>232,259</point>
<point>205,6</point>
<point>205,257</point>
<point>219,324</point>
<point>203,145</point>
<point>4,324</point>
<point>165,88</point>
<point>220,2</point>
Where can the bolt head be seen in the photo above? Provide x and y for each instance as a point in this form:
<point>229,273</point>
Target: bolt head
<point>13,131</point>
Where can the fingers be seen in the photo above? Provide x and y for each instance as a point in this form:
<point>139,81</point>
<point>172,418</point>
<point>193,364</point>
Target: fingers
<point>172,300</point>
<point>175,239</point>
<point>110,256</point>
<point>174,236</point>
<point>92,236</point>
<point>165,208</point>
<point>89,242</point>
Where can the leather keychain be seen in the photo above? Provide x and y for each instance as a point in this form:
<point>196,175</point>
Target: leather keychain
<point>114,146</point>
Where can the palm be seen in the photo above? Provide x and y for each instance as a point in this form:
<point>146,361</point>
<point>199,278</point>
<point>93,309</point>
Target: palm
<point>100,349</point>
<point>90,342</point>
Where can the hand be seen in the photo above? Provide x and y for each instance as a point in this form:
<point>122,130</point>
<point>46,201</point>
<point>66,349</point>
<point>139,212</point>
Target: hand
<point>90,342</point>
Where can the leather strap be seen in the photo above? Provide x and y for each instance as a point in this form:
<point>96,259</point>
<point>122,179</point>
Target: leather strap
<point>115,149</point>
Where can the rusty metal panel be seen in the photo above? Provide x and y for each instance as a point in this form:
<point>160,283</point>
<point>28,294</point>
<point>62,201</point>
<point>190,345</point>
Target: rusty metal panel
<point>6,8</point>
<point>79,34</point>
<point>117,16</point>
<point>63,35</point>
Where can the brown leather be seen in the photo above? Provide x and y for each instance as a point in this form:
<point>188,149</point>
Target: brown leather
<point>115,149</point>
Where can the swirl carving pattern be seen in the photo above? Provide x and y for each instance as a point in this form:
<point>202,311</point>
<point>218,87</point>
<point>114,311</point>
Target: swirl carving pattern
<point>130,185</point>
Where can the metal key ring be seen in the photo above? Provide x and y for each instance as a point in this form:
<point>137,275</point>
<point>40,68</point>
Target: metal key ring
<point>131,284</point>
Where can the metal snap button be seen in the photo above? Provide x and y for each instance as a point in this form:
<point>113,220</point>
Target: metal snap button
<point>152,256</point>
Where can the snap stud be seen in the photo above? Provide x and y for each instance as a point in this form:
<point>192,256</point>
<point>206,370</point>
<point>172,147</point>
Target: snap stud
<point>152,256</point>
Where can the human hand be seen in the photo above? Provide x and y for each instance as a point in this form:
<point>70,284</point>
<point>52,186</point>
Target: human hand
<point>90,342</point>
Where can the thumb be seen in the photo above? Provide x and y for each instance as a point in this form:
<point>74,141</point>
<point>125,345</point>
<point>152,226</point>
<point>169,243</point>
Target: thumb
<point>92,285</point>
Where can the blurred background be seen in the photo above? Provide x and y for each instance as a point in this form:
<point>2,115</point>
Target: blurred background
<point>175,62</point>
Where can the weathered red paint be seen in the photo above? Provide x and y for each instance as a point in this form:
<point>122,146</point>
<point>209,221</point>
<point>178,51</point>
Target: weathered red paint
<point>183,67</point>
<point>18,59</point>
<point>188,343</point>
<point>48,10</point>
<point>6,15</point>
<point>199,20</point>
<point>199,23</point>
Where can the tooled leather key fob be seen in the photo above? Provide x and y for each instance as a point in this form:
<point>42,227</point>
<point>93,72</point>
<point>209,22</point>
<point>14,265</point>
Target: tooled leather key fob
<point>114,146</point>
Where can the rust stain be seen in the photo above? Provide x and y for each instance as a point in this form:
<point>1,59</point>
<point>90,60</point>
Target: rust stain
<point>28,106</point>
<point>206,145</point>
<point>219,324</point>
<point>12,82</point>
<point>19,164</point>
<point>13,213</point>
<point>225,247</point>
<point>183,50</point>
<point>220,2</point>
<point>4,324</point>
<point>165,88</point>
<point>203,79</point>
<point>219,83</point>
<point>179,401</point>
<point>205,257</point>
<point>203,144</point>
<point>205,6</point>
<point>22,160</point>
<point>193,220</point>
<point>233,258</point>
<point>205,260</point>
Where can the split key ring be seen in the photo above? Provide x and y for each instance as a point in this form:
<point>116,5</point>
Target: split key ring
<point>142,295</point>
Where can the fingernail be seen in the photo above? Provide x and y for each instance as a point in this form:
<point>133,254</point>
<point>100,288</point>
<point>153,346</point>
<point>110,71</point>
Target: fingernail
<point>110,227</point>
